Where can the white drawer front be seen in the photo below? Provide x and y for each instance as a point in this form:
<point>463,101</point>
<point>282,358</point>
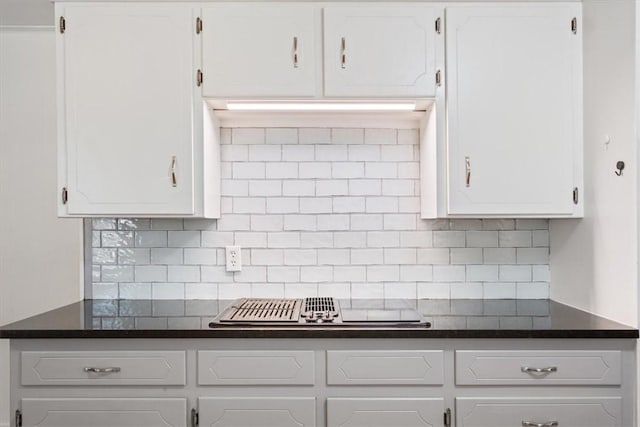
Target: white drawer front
<point>257,411</point>
<point>103,368</point>
<point>103,412</point>
<point>384,412</point>
<point>521,367</point>
<point>256,367</point>
<point>567,412</point>
<point>385,367</point>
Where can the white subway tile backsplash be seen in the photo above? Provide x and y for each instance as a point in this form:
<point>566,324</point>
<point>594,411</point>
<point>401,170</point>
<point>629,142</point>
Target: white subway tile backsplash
<point>298,188</point>
<point>265,188</point>
<point>247,136</point>
<point>348,204</point>
<point>183,273</point>
<point>279,170</point>
<point>283,240</point>
<point>315,170</point>
<point>200,256</point>
<point>466,255</point>
<point>201,290</point>
<point>380,136</point>
<point>234,153</point>
<point>334,256</point>
<point>347,136</point>
<point>400,256</point>
<point>300,257</point>
<point>482,273</point>
<point>533,256</point>
<point>134,290</point>
<point>278,274</point>
<point>281,136</point>
<point>316,274</point>
<point>314,135</point>
<point>398,187</point>
<point>347,170</point>
<point>449,239</point>
<point>283,205</point>
<point>267,257</point>
<point>184,239</point>
<point>117,273</point>
<point>298,153</point>
<point>350,273</point>
<point>150,239</point>
<point>365,187</point>
<point>333,222</point>
<point>321,211</point>
<point>300,223</point>
<point>165,256</point>
<point>363,153</point>
<point>265,153</point>
<point>350,239</point>
<point>150,273</point>
<point>266,223</point>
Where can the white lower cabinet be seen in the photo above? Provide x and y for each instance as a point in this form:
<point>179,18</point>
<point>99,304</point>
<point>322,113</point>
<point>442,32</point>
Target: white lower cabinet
<point>384,412</point>
<point>101,412</point>
<point>257,411</point>
<point>323,382</point>
<point>539,412</point>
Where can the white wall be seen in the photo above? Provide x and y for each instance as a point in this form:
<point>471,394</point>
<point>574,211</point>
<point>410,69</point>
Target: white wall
<point>594,261</point>
<point>40,255</point>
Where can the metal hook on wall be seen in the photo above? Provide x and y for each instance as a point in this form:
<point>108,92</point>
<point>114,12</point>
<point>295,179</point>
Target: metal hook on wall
<point>620,167</point>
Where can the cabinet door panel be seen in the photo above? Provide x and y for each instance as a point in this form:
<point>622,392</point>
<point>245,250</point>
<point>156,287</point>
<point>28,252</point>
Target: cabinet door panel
<point>384,412</point>
<point>257,411</point>
<point>128,114</point>
<point>256,367</point>
<point>251,50</point>
<point>385,367</point>
<point>507,412</point>
<point>388,51</point>
<point>499,367</point>
<point>514,109</point>
<point>104,412</point>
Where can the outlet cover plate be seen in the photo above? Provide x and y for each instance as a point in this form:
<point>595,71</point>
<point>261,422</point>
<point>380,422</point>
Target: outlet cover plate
<point>234,258</point>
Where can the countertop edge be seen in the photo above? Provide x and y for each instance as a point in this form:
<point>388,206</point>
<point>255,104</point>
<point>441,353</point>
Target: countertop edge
<point>324,334</point>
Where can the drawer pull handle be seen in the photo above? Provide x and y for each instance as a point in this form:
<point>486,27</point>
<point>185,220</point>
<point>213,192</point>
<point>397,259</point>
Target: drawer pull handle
<point>547,424</point>
<point>539,370</point>
<point>174,176</point>
<point>110,370</point>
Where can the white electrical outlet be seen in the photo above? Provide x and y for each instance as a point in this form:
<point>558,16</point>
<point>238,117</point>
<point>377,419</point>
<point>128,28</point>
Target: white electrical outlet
<point>234,258</point>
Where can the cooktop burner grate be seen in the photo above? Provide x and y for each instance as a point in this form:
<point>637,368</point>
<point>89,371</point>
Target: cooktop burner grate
<point>319,304</point>
<point>263,310</point>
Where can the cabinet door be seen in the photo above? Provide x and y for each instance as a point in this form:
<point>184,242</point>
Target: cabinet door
<point>514,109</point>
<point>257,411</point>
<point>385,51</point>
<point>104,412</point>
<point>251,50</point>
<point>126,84</point>
<point>384,412</point>
<point>507,412</point>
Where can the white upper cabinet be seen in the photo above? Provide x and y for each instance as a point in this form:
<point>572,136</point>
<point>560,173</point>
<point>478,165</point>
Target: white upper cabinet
<point>269,50</point>
<point>379,51</point>
<point>128,114</point>
<point>514,110</point>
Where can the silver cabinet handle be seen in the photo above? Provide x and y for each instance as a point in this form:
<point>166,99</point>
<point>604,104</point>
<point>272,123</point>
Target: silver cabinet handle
<point>539,370</point>
<point>295,52</point>
<point>467,167</point>
<point>547,424</point>
<point>343,53</point>
<point>174,176</point>
<point>110,370</point>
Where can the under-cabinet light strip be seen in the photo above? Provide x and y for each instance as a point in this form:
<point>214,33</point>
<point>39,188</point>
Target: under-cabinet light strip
<point>290,106</point>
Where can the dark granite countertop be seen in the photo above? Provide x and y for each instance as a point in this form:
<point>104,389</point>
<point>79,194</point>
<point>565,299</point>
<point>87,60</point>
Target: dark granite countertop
<point>190,319</point>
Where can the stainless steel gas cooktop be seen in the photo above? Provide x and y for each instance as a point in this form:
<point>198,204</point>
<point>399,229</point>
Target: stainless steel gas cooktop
<point>314,311</point>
